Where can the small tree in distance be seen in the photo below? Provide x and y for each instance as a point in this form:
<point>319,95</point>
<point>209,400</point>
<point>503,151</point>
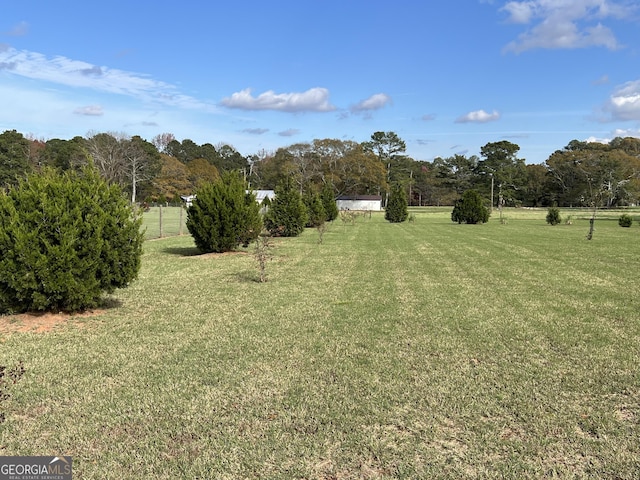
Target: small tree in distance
<point>470,209</point>
<point>625,220</point>
<point>396,210</point>
<point>553,216</point>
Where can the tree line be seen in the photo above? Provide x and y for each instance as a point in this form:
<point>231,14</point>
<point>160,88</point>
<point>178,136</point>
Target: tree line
<point>579,174</point>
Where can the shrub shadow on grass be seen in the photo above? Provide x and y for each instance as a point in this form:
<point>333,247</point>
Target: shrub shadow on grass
<point>108,303</point>
<point>182,251</point>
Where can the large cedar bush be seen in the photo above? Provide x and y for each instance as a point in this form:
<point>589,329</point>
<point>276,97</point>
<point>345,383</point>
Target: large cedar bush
<point>223,215</point>
<point>65,239</point>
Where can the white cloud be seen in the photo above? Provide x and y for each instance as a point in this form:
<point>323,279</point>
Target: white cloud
<point>313,100</point>
<point>627,132</point>
<point>624,102</point>
<point>618,132</point>
<point>565,23</point>
<point>478,116</point>
<point>593,139</point>
<point>74,73</point>
<point>90,110</point>
<point>374,102</point>
<point>519,12</point>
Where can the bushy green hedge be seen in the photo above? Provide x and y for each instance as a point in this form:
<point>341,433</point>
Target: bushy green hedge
<point>223,216</point>
<point>65,239</point>
<point>470,209</point>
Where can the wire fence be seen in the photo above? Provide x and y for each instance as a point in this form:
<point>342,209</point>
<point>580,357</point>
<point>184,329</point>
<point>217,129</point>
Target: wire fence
<point>161,222</point>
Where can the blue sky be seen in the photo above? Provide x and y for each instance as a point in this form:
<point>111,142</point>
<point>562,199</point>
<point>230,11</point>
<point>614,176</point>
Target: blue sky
<point>448,76</point>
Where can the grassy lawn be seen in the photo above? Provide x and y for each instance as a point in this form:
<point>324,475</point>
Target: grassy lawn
<point>165,222</point>
<point>418,350</point>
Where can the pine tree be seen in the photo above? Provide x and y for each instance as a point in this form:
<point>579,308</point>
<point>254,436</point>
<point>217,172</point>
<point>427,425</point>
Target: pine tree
<point>287,214</point>
<point>396,210</point>
<point>223,215</point>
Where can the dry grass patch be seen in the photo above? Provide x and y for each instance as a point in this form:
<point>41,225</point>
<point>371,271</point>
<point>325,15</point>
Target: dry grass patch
<point>43,322</point>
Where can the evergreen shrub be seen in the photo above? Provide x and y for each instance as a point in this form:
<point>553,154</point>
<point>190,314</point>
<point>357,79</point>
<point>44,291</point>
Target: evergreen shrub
<point>287,215</point>
<point>470,209</point>
<point>625,220</point>
<point>65,239</point>
<point>315,210</point>
<point>396,210</point>
<point>223,215</point>
<point>329,203</point>
<point>553,216</point>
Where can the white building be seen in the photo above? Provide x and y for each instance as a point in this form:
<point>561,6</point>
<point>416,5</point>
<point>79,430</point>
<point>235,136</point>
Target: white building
<point>359,202</point>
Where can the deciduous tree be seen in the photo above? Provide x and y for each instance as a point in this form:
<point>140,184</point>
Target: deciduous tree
<point>127,161</point>
<point>14,157</point>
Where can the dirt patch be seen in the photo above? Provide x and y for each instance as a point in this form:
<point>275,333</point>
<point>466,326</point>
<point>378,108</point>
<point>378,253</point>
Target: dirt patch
<point>41,322</point>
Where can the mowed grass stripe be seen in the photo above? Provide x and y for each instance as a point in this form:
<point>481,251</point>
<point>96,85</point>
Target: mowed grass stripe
<point>420,350</point>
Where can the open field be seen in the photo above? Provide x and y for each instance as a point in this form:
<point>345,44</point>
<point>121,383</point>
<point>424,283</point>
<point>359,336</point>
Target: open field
<point>419,350</point>
<point>165,222</point>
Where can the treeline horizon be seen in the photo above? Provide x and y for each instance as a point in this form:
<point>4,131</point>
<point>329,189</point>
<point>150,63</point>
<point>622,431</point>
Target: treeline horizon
<point>163,169</point>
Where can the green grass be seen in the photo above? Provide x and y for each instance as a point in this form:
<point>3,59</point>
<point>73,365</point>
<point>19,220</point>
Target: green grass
<point>416,350</point>
<point>172,223</point>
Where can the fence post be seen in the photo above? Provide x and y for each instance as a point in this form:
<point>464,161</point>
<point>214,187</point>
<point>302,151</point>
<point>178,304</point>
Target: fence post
<point>181,209</point>
<point>160,216</point>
